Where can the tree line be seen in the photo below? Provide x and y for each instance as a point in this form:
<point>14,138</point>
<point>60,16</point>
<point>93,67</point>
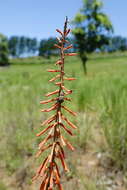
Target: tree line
<point>92,32</point>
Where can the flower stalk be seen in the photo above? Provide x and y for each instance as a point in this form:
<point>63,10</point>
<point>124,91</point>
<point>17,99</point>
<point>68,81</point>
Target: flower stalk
<point>49,170</point>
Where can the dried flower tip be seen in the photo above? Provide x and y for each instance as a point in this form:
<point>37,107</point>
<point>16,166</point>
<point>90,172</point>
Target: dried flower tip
<point>57,46</point>
<point>70,111</point>
<point>51,93</point>
<point>59,31</point>
<point>70,54</point>
<point>69,47</point>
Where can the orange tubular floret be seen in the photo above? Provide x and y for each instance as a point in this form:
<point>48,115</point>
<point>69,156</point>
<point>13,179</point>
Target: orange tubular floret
<point>48,101</point>
<point>67,90</point>
<point>69,78</point>
<point>59,31</point>
<point>63,162</point>
<point>69,122</point>
<point>69,47</point>
<point>50,109</point>
<point>70,111</point>
<point>59,62</point>
<point>49,127</point>
<point>54,78</point>
<point>67,32</point>
<point>49,120</point>
<point>57,46</point>
<point>44,141</point>
<point>70,54</point>
<point>52,93</point>
<point>67,130</point>
<point>53,71</point>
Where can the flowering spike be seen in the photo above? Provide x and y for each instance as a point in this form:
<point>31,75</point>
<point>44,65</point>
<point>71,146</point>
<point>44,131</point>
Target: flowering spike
<point>54,141</point>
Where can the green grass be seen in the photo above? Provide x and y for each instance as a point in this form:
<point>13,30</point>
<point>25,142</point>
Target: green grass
<point>102,93</point>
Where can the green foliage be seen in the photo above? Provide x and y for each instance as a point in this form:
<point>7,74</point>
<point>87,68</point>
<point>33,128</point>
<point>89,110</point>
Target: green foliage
<point>3,50</point>
<point>2,186</point>
<point>92,28</point>
<point>47,48</point>
<point>21,45</point>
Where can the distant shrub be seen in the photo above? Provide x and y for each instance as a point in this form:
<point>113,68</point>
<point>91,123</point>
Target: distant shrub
<point>3,50</point>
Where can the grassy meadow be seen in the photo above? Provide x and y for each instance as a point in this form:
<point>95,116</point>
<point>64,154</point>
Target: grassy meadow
<point>100,99</point>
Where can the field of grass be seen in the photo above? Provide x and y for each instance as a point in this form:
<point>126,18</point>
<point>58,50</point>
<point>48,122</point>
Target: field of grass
<point>99,98</point>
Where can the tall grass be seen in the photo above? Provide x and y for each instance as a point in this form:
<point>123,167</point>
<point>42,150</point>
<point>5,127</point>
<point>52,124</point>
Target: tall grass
<point>102,94</point>
<point>114,120</point>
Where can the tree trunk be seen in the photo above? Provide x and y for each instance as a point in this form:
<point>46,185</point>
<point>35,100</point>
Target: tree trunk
<point>84,60</point>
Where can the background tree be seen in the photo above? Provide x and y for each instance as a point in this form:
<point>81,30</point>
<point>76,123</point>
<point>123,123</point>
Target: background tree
<point>92,28</point>
<point>47,47</point>
<point>13,44</point>
<point>3,50</point>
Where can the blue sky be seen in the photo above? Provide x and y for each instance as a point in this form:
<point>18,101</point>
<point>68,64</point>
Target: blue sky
<point>40,18</point>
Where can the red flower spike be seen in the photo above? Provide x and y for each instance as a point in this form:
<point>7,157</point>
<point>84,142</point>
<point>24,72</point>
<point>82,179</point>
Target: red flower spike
<point>54,141</point>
